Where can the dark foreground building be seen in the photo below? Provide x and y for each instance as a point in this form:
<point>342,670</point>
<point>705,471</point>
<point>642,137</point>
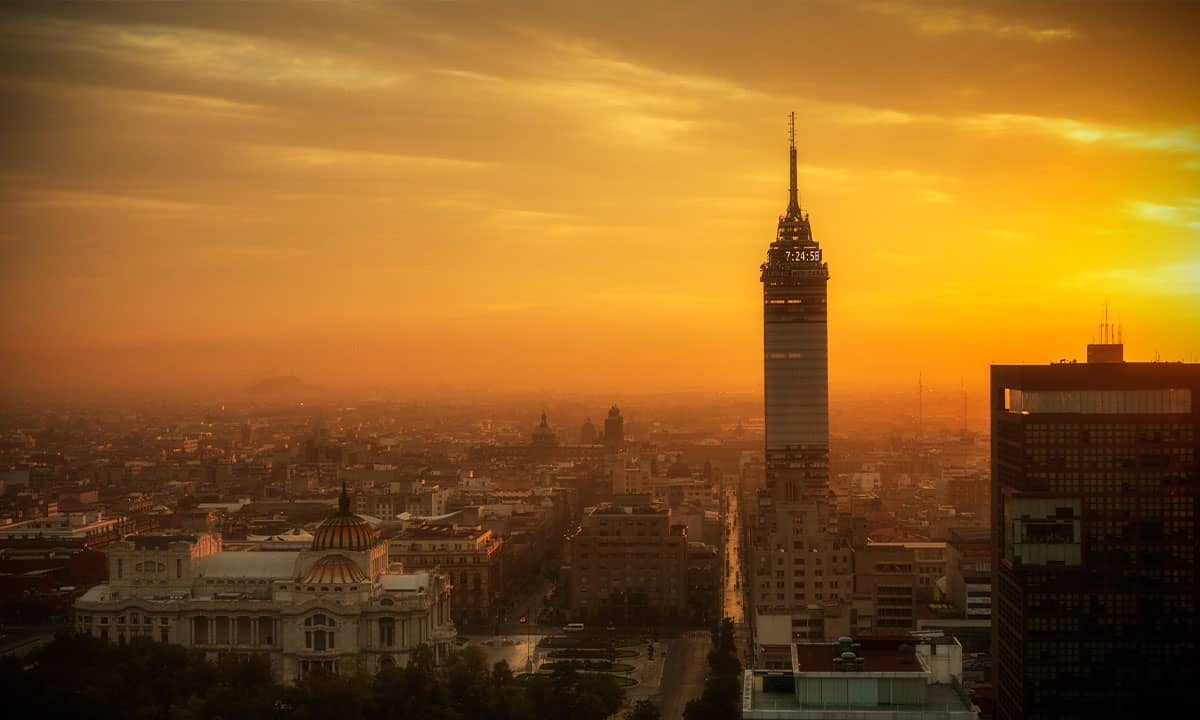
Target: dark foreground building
<point>1094,504</point>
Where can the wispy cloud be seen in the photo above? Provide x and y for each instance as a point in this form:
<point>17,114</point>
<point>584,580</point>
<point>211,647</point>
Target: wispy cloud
<point>326,156</point>
<point>935,20</point>
<point>920,186</point>
<point>636,103</point>
<point>63,199</point>
<point>228,55</point>
<point>1183,213</point>
<point>259,251</point>
<point>1181,139</point>
<point>1175,278</point>
<point>470,309</point>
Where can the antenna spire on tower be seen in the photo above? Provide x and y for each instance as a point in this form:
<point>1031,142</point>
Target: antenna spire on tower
<point>793,209</point>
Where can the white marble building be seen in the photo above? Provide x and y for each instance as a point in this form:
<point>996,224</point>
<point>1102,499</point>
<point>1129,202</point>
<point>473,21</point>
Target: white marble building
<point>336,606</point>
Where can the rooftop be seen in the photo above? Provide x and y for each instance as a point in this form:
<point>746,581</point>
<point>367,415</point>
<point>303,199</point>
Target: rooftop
<point>885,677</point>
<point>160,541</point>
<point>440,532</point>
<point>941,701</point>
<point>878,655</point>
<point>261,565</point>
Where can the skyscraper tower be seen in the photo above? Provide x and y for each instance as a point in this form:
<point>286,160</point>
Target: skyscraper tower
<point>614,431</point>
<point>796,353</point>
<point>802,576</point>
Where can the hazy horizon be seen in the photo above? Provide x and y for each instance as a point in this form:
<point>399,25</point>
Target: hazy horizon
<point>560,197</point>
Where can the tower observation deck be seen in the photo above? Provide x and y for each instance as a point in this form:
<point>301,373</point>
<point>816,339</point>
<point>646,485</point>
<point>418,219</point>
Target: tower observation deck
<point>796,355</point>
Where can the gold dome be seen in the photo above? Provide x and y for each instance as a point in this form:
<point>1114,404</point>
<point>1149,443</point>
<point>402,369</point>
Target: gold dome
<point>345,530</point>
<point>334,570</point>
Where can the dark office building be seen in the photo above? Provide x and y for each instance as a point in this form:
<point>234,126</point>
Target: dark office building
<point>1094,504</point>
<point>614,431</point>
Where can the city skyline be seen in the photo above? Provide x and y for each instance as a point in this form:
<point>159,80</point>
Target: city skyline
<point>430,193</point>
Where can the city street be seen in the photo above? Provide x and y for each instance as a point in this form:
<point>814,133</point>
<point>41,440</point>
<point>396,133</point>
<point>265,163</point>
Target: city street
<point>684,671</point>
<point>733,586</point>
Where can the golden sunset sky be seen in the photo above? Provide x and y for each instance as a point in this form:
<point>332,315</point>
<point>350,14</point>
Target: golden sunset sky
<point>577,196</point>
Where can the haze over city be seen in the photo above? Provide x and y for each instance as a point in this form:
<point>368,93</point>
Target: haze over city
<point>595,361</point>
<point>562,196</point>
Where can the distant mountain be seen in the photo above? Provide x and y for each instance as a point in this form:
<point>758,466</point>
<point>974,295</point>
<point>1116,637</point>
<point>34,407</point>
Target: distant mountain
<point>280,386</point>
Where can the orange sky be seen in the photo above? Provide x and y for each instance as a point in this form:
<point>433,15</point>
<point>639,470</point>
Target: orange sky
<point>577,196</point>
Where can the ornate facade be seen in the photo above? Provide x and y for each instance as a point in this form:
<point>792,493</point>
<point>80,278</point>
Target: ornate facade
<point>338,606</point>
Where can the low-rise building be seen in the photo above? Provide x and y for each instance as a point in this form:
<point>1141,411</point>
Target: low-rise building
<point>471,557</point>
<point>886,678</point>
<point>629,563</point>
<point>86,529</point>
<point>901,579</point>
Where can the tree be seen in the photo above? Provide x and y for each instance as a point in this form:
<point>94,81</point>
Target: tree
<point>643,710</point>
<point>722,689</point>
<point>78,676</point>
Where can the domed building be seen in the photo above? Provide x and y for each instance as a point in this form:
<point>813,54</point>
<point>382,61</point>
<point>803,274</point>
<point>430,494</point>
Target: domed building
<point>543,442</point>
<point>336,606</point>
<point>345,530</point>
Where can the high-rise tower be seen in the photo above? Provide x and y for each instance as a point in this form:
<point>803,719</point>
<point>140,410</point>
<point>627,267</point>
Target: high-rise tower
<point>796,353</point>
<point>802,571</point>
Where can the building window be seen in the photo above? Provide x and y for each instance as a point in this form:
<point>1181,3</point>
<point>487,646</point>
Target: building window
<point>319,633</point>
<point>243,630</point>
<point>200,631</point>
<point>307,667</point>
<point>179,568</point>
<point>387,632</point>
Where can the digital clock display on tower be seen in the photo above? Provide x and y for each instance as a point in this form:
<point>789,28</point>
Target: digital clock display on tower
<point>811,255</point>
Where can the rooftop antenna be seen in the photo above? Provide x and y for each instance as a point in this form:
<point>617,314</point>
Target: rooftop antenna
<point>920,406</point>
<point>793,209</point>
<point>963,383</point>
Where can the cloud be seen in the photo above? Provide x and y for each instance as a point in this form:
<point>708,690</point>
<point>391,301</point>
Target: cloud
<point>225,55</point>
<point>636,103</point>
<point>62,199</point>
<point>323,157</point>
<point>258,251</point>
<point>1180,139</point>
<point>926,187</point>
<point>473,309</point>
<point>1185,213</point>
<point>932,196</point>
<point>849,114</point>
<point>937,20</point>
<point>1175,278</point>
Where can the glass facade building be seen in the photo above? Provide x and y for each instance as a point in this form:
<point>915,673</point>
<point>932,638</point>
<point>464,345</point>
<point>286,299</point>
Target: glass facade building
<point>1094,503</point>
